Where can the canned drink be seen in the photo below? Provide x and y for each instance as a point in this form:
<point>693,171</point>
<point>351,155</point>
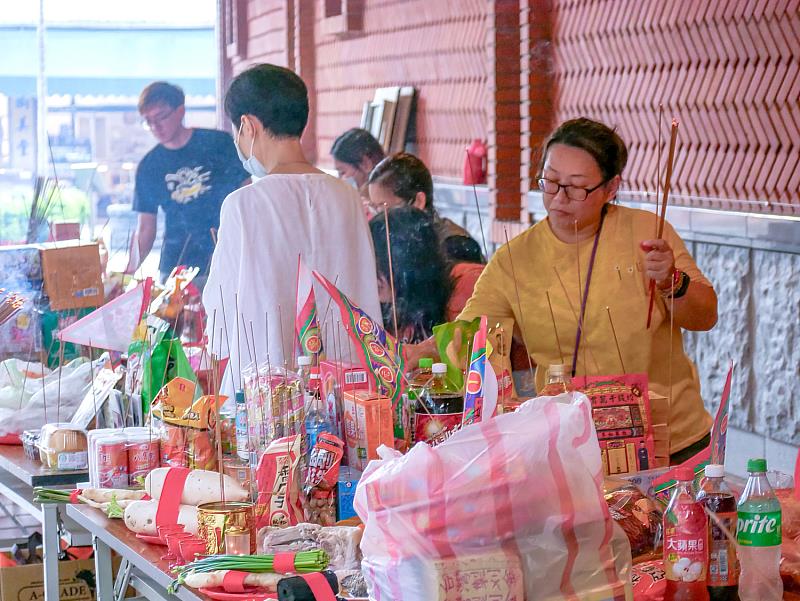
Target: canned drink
<point>143,457</point>
<point>215,520</point>
<point>112,462</point>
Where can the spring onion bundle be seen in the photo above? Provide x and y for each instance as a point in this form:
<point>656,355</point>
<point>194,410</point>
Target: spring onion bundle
<point>51,495</point>
<point>305,562</point>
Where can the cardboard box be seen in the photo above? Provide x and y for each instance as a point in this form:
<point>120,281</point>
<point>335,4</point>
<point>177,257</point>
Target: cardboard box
<point>26,583</point>
<point>367,425</point>
<point>72,275</point>
<point>335,377</point>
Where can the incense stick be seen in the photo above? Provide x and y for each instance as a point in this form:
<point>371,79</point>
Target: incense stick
<point>60,370</point>
<point>94,390</point>
<point>218,432</point>
<point>658,166</point>
<point>555,329</point>
<point>477,207</point>
<point>391,268</point>
<point>667,183</point>
<point>519,304</point>
<point>581,303</point>
<point>229,367</point>
<point>616,341</point>
<point>574,313</point>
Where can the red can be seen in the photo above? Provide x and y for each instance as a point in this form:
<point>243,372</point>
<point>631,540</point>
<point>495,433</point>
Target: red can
<point>112,462</point>
<point>143,457</point>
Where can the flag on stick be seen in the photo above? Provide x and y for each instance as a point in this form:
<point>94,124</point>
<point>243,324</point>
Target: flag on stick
<point>306,323</point>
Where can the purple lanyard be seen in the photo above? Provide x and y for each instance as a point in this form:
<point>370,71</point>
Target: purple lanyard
<point>579,332</point>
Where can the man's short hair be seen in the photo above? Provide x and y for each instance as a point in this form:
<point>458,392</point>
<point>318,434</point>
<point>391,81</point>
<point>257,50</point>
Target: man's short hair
<point>274,95</point>
<point>355,144</point>
<point>161,92</point>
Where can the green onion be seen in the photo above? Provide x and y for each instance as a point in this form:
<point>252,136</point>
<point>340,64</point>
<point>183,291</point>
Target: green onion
<point>51,495</point>
<point>114,509</point>
<point>304,562</point>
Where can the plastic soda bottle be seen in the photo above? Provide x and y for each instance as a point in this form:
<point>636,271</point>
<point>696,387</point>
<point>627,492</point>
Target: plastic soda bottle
<point>685,542</point>
<point>759,537</point>
<point>723,566</point>
<point>440,408</point>
<point>558,380</point>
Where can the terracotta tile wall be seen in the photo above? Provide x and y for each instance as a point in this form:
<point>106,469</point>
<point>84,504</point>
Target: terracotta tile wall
<point>729,71</point>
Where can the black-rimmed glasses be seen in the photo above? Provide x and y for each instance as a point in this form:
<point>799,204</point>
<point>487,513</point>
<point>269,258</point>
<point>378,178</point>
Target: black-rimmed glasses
<point>574,193</point>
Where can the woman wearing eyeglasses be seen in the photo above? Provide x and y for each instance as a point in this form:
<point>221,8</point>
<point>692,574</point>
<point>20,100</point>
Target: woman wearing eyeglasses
<point>595,261</point>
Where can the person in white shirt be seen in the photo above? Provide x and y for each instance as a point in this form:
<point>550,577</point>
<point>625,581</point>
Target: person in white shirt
<point>291,210</point>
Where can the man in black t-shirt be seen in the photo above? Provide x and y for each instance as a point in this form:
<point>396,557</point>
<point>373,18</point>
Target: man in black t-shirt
<point>188,175</point>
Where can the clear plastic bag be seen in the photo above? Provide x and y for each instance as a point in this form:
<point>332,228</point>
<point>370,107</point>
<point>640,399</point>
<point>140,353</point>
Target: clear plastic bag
<point>515,498</point>
<point>23,400</point>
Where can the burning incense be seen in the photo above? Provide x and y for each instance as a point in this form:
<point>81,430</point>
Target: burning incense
<point>519,304</point>
<point>477,207</point>
<point>218,429</point>
<point>616,341</point>
<point>229,367</point>
<point>555,329</point>
<point>667,181</point>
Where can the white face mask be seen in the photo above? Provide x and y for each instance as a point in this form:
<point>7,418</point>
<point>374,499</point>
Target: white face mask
<point>251,164</point>
<point>352,181</point>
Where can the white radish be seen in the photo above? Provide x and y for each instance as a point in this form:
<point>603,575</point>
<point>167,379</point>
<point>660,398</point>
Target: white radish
<point>140,517</point>
<point>103,495</point>
<point>214,579</point>
<point>123,503</point>
<point>202,486</point>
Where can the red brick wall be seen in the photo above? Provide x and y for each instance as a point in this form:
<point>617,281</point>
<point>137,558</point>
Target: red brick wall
<point>439,47</point>
<point>727,70</point>
<point>507,70</point>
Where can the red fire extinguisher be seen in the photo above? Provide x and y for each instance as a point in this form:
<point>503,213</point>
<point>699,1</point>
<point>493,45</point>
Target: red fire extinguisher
<point>475,163</point>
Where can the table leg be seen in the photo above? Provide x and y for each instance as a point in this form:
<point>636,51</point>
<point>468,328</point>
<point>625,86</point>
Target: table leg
<point>122,580</point>
<point>50,545</point>
<point>104,573</point>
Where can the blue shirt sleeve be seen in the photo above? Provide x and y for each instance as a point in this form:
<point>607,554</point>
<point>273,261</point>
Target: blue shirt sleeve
<point>145,199</point>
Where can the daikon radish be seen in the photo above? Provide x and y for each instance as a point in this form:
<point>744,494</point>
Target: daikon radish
<point>214,579</point>
<point>105,504</point>
<point>202,486</point>
<point>103,495</point>
<point>140,517</point>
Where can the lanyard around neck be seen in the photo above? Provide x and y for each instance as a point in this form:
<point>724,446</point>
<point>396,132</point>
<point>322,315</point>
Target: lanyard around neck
<point>579,332</point>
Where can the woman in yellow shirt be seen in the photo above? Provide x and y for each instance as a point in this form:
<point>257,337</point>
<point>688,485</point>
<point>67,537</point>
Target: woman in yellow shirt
<point>596,260</point>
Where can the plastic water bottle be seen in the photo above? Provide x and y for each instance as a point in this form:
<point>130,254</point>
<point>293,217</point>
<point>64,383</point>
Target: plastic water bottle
<point>759,537</point>
<point>317,419</point>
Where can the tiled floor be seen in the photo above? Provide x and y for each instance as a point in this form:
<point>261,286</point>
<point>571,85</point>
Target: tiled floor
<point>15,525</point>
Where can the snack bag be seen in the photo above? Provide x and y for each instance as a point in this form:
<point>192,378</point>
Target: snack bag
<point>188,437</point>
<point>321,480</point>
<point>452,341</point>
<point>649,581</point>
<point>166,361</point>
<point>278,480</point>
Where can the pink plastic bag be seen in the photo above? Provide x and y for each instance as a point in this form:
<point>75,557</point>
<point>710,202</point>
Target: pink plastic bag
<point>517,500</point>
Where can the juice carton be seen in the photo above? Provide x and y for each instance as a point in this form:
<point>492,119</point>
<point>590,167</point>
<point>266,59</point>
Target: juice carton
<point>346,492</point>
<point>334,378</point>
<point>367,425</point>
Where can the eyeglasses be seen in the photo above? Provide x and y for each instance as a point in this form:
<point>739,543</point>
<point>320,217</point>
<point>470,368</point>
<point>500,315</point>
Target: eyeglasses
<point>574,193</point>
<point>150,122</point>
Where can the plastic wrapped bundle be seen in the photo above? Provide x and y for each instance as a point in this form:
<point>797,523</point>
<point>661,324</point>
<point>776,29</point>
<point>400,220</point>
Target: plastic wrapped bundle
<point>472,497</point>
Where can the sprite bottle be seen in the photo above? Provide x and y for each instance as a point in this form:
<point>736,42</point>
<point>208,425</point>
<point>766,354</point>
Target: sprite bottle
<point>758,532</point>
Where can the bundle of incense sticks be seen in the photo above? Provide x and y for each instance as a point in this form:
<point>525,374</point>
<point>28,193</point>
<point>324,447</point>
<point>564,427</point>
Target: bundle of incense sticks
<point>44,190</point>
<point>10,304</point>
